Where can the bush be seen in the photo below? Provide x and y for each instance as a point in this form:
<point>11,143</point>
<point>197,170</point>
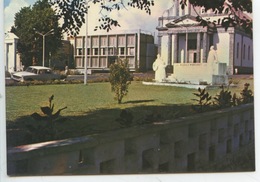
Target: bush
<point>120,78</point>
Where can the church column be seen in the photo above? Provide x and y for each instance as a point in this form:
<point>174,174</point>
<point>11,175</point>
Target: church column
<point>169,49</point>
<point>175,48</point>
<point>186,60</point>
<point>198,60</point>
<point>159,44</point>
<point>205,47</point>
<point>231,54</point>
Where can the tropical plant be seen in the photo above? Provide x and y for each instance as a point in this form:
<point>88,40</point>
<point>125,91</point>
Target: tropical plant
<point>120,79</point>
<point>224,98</point>
<point>44,128</point>
<point>203,100</point>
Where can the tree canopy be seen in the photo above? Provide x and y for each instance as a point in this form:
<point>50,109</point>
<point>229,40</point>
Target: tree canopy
<point>28,21</point>
<point>73,11</point>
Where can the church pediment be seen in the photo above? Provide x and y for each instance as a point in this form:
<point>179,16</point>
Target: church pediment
<point>183,21</point>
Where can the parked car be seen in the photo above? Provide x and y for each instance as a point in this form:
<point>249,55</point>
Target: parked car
<point>35,73</point>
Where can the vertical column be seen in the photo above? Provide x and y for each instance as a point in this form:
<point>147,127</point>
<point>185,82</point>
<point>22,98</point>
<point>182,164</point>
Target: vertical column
<point>177,6</point>
<point>231,53</point>
<point>15,59</point>
<point>159,44</point>
<point>170,49</point>
<point>198,48</point>
<point>186,60</point>
<point>205,47</point>
<point>175,48</point>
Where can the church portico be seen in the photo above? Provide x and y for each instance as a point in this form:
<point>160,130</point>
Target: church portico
<point>184,45</point>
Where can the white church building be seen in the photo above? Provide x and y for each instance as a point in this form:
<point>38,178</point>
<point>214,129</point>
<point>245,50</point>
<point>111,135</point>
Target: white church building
<point>184,44</point>
<point>12,58</point>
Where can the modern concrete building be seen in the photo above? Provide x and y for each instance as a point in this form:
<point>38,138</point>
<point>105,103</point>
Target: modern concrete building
<point>136,46</point>
<point>181,39</point>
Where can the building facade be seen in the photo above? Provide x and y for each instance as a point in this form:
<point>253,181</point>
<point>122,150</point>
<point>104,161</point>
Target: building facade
<point>12,58</point>
<point>181,39</point>
<point>136,46</point>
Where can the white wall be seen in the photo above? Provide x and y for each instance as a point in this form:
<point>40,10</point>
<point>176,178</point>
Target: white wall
<point>243,57</point>
<point>221,43</point>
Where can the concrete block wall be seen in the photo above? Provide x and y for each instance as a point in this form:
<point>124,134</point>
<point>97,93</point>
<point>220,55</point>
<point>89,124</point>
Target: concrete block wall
<point>181,145</point>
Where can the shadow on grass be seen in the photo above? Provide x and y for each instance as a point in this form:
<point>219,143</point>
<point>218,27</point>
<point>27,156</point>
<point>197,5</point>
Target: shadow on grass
<point>137,101</point>
<point>26,130</point>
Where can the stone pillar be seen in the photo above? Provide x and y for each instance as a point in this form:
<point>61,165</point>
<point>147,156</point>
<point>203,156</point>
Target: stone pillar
<point>175,48</point>
<point>198,48</point>
<point>205,47</point>
<point>186,60</point>
<point>230,67</point>
<point>169,49</point>
<point>159,44</point>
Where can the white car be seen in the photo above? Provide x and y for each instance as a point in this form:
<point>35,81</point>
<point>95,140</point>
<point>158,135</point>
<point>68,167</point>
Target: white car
<point>35,73</point>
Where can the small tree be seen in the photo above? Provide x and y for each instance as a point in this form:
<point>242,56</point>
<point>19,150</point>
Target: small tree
<point>120,78</point>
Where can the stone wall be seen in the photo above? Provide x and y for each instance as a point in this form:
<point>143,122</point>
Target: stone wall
<point>181,145</point>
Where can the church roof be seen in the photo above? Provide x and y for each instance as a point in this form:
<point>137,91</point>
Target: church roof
<point>11,36</point>
<point>185,20</point>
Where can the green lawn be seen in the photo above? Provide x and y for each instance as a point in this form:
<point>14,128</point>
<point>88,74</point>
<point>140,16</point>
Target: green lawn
<point>91,108</point>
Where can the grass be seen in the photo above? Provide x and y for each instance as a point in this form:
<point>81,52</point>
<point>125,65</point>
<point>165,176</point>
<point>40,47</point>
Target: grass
<point>92,109</point>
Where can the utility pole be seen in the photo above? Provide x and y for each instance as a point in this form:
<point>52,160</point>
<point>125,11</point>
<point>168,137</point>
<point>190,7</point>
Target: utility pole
<point>86,47</point>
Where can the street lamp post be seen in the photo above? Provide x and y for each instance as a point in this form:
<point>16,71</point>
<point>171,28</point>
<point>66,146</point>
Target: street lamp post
<point>86,47</point>
<point>43,43</point>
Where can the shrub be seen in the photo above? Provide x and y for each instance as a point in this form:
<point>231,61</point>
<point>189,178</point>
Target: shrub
<point>224,98</point>
<point>203,101</point>
<point>120,79</point>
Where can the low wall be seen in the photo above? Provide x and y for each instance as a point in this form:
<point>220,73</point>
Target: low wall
<point>179,145</point>
<point>199,72</point>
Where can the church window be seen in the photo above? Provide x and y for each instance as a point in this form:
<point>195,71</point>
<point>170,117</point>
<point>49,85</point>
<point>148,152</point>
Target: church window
<point>248,54</point>
<point>238,50</point>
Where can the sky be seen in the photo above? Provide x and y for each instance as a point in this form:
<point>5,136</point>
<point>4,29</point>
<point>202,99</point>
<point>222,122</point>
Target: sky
<point>128,19</point>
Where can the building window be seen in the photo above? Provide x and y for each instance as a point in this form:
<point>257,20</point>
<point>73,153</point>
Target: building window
<point>112,41</point>
<point>248,53</point>
<point>79,63</point>
<point>95,62</point>
<point>103,63</point>
<point>103,51</point>
<point>238,50</point>
<point>131,51</point>
<point>95,41</point>
<point>110,51</point>
<point>79,42</point>
<point>95,51</point>
<point>131,62</point>
<point>121,51</point>
<point>121,40</point>
<point>79,51</point>
<point>244,52</point>
<point>130,40</point>
<point>103,41</point>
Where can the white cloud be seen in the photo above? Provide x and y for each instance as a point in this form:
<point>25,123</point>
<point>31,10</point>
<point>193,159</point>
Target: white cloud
<point>130,18</point>
<point>9,12</point>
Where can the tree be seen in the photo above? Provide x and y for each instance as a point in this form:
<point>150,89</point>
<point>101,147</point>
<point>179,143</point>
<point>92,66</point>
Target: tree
<point>120,79</point>
<point>73,11</point>
<point>29,20</point>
